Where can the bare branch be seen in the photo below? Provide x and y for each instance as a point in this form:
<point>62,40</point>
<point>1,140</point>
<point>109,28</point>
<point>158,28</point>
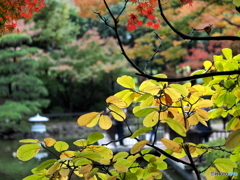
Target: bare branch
<point>184,36</point>
<point>157,50</point>
<point>188,78</point>
<point>115,28</point>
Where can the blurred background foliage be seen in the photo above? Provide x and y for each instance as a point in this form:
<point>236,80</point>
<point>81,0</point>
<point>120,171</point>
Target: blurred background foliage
<point>64,59</point>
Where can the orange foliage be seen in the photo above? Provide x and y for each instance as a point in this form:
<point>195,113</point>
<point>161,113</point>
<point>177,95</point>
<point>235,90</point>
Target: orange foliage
<point>88,7</point>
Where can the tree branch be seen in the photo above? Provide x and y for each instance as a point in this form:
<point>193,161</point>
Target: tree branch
<point>188,78</point>
<point>184,36</point>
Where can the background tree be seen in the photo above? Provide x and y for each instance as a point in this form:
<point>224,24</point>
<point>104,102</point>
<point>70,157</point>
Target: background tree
<point>22,92</point>
<point>78,79</point>
<point>55,28</point>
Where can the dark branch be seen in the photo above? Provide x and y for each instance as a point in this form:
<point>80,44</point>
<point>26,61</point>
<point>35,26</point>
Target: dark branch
<point>188,78</point>
<point>184,36</point>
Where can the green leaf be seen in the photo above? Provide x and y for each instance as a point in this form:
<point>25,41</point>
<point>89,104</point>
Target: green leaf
<point>130,176</point>
<point>227,53</point>
<point>197,72</point>
<point>140,131</point>
<point>143,97</point>
<point>27,151</point>
<point>120,155</point>
<point>94,137</point>
<point>176,126</point>
<point>145,151</point>
<point>92,173</point>
<point>61,146</point>
<point>224,164</point>
<point>233,140</point>
<point>162,165</point>
<point>138,146</point>
<point>145,111</point>
<point>45,164</point>
<point>81,161</point>
<point>236,3</point>
<point>36,176</point>
<point>226,99</point>
<point>238,33</point>
<point>233,122</point>
<point>121,167</point>
<point>91,155</point>
<point>213,113</point>
<point>218,62</point>
<point>81,143</point>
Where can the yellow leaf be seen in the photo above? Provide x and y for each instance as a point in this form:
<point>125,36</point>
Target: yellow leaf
<point>29,141</point>
<point>85,169</point>
<point>210,172</point>
<point>87,118</point>
<point>173,146</point>
<point>63,178</point>
<point>181,89</point>
<point>205,103</point>
<point>112,178</point>
<point>138,146</point>
<point>53,168</point>
<point>64,172</point>
<point>120,167</point>
<point>202,113</point>
<point>117,101</point>
<point>173,93</point>
<point>93,122</point>
<point>233,140</point>
<point>193,120</point>
<point>81,143</point>
<point>127,96</point>
<point>154,89</point>
<point>145,84</point>
<point>147,102</point>
<point>105,122</point>
<point>236,92</point>
<point>151,119</point>
<point>49,142</point>
<point>67,154</point>
<point>126,81</point>
<point>207,65</point>
<point>117,112</point>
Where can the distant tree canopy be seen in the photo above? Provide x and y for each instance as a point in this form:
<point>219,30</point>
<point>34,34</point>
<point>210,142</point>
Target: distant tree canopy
<point>54,26</point>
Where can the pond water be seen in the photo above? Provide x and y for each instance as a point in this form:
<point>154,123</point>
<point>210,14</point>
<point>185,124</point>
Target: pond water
<point>13,169</point>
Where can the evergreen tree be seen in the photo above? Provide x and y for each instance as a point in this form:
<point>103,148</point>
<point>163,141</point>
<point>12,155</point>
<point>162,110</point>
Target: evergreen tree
<point>21,91</point>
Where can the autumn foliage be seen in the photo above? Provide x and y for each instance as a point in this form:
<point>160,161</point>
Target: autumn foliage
<point>12,10</point>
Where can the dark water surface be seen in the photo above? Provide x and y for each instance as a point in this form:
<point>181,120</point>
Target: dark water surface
<point>13,169</point>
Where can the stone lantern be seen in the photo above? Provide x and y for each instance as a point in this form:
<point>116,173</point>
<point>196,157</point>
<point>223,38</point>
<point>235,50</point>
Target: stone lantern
<point>38,125</point>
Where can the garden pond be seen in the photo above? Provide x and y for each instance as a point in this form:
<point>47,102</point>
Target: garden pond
<point>13,169</point>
